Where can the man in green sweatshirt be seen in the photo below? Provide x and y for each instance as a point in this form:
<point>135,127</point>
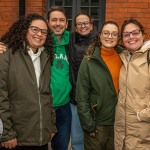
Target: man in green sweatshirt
<point>60,83</point>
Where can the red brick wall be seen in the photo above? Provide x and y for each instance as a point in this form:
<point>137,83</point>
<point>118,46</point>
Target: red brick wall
<point>37,6</point>
<point>119,10</point>
<point>116,10</point>
<point>9,11</point>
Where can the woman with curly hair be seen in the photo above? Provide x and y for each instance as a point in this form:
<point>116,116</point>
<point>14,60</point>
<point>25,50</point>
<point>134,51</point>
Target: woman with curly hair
<point>26,111</point>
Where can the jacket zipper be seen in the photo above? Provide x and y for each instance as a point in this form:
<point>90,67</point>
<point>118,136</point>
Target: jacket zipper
<point>39,99</point>
<point>126,100</point>
<point>40,118</point>
<point>41,133</point>
<point>41,125</point>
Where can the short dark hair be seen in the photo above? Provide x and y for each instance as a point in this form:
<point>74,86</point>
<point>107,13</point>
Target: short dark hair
<point>108,22</point>
<point>134,21</point>
<point>56,8</point>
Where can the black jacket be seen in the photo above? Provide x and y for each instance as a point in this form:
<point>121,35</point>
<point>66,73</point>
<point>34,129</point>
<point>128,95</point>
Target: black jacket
<point>78,47</point>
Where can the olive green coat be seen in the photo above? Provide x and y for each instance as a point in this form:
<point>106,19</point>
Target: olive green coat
<point>26,110</point>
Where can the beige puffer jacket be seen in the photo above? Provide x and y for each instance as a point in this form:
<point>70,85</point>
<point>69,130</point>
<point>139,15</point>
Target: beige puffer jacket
<point>132,122</point>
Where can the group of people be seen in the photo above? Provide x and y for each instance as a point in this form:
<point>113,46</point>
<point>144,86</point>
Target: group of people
<point>91,86</point>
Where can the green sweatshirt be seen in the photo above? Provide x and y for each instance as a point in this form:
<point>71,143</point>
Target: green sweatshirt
<point>60,83</point>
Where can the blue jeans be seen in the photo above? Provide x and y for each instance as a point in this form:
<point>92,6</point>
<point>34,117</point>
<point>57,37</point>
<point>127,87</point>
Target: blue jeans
<point>77,135</point>
<point>63,123</point>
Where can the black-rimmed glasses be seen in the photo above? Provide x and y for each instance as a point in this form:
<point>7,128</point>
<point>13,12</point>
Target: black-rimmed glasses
<point>106,34</point>
<point>36,30</point>
<point>134,33</point>
<point>85,23</point>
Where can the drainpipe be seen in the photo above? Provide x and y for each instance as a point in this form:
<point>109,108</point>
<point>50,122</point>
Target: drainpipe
<point>102,4</point>
<point>21,8</point>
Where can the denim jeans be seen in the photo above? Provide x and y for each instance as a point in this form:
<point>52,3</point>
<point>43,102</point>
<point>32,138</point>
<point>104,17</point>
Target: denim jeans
<point>63,123</point>
<point>77,136</point>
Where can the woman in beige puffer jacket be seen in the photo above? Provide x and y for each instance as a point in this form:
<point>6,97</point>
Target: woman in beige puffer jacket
<point>132,122</point>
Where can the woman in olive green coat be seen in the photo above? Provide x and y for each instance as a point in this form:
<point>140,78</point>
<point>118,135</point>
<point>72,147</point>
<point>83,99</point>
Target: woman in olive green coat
<point>97,89</point>
<point>26,110</point>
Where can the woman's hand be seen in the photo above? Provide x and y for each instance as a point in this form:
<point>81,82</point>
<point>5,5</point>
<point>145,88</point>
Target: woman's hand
<point>52,135</point>
<point>93,134</point>
<point>2,48</point>
<point>10,144</point>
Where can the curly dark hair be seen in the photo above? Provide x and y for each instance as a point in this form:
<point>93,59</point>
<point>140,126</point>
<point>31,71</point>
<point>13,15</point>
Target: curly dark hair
<point>16,37</point>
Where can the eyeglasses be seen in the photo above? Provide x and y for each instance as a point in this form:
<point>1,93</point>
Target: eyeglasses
<point>36,30</point>
<point>85,23</point>
<point>134,33</point>
<point>106,34</point>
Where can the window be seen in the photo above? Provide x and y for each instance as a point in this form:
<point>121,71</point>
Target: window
<point>95,8</point>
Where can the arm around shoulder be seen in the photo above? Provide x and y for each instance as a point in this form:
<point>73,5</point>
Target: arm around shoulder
<point>2,48</point>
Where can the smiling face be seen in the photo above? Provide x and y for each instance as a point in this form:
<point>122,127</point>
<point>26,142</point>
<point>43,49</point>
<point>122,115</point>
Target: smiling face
<point>83,24</point>
<point>57,22</point>
<point>36,39</point>
<point>134,41</point>
<point>109,36</point>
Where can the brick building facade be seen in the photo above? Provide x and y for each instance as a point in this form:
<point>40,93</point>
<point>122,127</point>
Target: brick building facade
<point>116,10</point>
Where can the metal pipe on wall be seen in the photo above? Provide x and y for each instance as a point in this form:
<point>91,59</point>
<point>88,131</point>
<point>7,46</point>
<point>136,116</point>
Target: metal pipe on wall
<point>102,4</point>
<point>21,7</point>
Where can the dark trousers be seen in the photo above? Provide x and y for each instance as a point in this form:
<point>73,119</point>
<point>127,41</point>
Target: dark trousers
<point>63,123</point>
<point>45,147</point>
<point>104,139</point>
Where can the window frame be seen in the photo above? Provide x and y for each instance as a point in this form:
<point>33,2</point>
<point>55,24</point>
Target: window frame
<point>76,4</point>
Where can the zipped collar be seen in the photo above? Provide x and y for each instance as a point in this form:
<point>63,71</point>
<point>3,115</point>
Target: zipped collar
<point>97,56</point>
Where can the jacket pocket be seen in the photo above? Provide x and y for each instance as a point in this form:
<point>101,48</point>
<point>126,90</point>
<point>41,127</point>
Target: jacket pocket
<point>94,103</point>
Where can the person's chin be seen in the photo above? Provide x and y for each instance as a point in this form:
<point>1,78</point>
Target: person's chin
<point>84,33</point>
<point>59,32</point>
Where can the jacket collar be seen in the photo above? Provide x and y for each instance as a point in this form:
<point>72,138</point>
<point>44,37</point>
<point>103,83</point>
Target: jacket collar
<point>96,52</point>
<point>44,58</point>
<point>64,39</point>
<point>86,38</point>
<point>145,47</point>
